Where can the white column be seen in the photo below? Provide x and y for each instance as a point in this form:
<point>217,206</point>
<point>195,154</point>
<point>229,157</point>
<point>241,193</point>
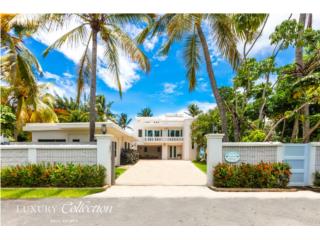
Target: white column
<point>164,154</point>
<point>280,153</point>
<point>104,147</point>
<point>214,154</point>
<point>32,155</point>
<point>312,163</point>
<point>187,148</point>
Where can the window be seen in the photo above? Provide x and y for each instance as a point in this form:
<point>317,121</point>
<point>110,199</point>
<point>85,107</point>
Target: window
<point>150,133</point>
<point>140,133</point>
<point>159,149</point>
<point>145,149</point>
<point>51,140</point>
<point>75,140</point>
<point>157,133</point>
<point>177,133</point>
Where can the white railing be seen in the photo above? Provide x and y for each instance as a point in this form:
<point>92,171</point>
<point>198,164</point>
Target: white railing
<point>161,139</point>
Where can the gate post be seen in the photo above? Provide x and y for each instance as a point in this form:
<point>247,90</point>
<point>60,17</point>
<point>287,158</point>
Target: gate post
<point>104,155</point>
<point>214,154</point>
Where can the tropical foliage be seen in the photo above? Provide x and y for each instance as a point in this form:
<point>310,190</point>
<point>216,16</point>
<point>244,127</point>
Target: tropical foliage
<point>145,112</point>
<point>193,110</point>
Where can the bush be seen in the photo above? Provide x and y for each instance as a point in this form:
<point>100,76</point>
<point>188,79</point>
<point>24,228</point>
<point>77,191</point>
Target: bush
<point>262,175</point>
<point>53,175</point>
<point>129,156</point>
<point>254,136</point>
<point>316,181</point>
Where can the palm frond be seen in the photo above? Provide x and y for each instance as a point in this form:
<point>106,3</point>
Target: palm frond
<point>72,38</point>
<point>226,41</point>
<point>192,57</point>
<point>130,48</point>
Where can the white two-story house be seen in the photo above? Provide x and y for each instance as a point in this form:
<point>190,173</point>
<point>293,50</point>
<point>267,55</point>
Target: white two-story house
<point>165,137</point>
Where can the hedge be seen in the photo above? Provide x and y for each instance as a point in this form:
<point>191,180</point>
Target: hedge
<point>244,175</point>
<point>129,156</point>
<point>316,181</point>
<point>53,175</point>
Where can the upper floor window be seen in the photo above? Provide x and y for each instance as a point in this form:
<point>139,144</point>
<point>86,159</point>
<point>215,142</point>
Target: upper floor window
<point>140,133</point>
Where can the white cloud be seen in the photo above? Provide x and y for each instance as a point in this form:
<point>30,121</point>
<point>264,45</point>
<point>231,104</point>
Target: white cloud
<point>204,106</point>
<point>67,75</point>
<point>129,70</point>
<point>169,88</point>
<point>61,86</point>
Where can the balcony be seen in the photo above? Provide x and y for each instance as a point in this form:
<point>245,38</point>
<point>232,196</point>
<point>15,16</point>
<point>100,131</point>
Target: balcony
<point>161,139</point>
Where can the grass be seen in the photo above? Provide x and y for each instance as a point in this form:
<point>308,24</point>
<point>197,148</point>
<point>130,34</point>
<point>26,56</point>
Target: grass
<point>119,171</point>
<point>201,165</point>
<point>16,193</point>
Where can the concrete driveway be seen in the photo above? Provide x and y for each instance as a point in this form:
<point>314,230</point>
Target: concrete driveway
<point>162,173</point>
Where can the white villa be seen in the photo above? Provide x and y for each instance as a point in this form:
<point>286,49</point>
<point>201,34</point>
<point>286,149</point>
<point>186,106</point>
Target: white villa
<point>166,137</point>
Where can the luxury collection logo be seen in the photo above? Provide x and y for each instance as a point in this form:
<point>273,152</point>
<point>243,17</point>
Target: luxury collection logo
<point>80,207</point>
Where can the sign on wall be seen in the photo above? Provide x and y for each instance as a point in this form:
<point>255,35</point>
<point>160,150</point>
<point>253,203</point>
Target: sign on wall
<point>232,157</point>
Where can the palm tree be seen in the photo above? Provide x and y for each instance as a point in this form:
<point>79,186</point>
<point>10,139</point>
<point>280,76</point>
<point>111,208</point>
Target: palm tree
<point>145,112</point>
<point>104,109</point>
<point>190,28</point>
<point>123,121</point>
<point>18,68</point>
<point>193,110</point>
<point>108,29</point>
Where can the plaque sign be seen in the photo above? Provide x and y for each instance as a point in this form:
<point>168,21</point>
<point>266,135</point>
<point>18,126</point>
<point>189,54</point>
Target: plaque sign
<point>232,157</point>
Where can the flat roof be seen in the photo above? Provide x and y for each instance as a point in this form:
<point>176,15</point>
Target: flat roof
<point>38,127</point>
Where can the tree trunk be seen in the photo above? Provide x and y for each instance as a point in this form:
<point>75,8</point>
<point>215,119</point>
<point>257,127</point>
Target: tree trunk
<point>93,85</point>
<point>213,83</point>
<point>300,65</point>
<point>295,129</point>
<point>264,99</point>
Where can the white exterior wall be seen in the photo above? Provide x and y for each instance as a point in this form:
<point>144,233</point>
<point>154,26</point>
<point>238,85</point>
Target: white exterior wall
<point>165,123</point>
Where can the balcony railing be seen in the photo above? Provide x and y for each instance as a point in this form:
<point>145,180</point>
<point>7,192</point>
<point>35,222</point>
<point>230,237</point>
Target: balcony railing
<point>161,139</point>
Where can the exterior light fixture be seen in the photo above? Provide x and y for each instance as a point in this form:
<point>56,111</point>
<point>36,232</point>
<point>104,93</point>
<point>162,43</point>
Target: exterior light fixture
<point>214,128</point>
<point>103,128</point>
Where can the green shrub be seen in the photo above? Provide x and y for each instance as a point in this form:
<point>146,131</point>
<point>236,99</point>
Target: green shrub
<point>53,175</point>
<point>316,181</point>
<point>129,156</point>
<point>262,175</point>
<point>254,136</point>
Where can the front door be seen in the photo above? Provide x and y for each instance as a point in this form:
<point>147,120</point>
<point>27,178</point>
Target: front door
<point>172,152</point>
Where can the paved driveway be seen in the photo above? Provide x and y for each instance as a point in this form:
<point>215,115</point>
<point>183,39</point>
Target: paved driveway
<point>162,173</point>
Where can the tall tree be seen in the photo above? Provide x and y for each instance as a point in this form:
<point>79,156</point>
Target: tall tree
<point>145,112</point>
<point>108,30</point>
<point>193,110</point>
<point>124,121</point>
<point>20,68</point>
<point>189,27</point>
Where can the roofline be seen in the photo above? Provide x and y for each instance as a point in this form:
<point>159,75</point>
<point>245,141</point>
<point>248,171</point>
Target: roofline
<point>34,127</point>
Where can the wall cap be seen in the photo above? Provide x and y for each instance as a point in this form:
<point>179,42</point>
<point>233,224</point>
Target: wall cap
<point>103,136</point>
<point>215,135</point>
<point>240,144</point>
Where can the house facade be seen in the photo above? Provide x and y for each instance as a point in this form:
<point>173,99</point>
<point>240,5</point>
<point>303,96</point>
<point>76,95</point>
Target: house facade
<point>78,132</point>
<point>165,137</point>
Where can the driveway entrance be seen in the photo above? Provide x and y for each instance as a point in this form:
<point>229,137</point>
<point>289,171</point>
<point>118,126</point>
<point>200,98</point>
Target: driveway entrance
<point>162,173</point>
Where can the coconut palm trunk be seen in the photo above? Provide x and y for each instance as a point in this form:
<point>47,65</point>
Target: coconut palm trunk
<point>299,62</point>
<point>93,84</point>
<point>213,83</point>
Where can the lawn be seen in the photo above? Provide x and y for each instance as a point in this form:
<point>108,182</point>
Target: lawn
<point>120,170</point>
<point>201,165</point>
<point>16,193</point>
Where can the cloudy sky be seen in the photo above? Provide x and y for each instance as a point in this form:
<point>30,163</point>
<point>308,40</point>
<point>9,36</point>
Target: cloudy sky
<point>164,89</point>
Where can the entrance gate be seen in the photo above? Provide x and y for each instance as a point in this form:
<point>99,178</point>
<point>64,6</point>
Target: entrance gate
<point>297,155</point>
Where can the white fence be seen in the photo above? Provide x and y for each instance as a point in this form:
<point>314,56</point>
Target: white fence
<point>99,153</point>
<point>24,154</point>
<point>303,165</point>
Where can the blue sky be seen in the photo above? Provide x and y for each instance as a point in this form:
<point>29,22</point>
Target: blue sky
<point>164,89</point>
